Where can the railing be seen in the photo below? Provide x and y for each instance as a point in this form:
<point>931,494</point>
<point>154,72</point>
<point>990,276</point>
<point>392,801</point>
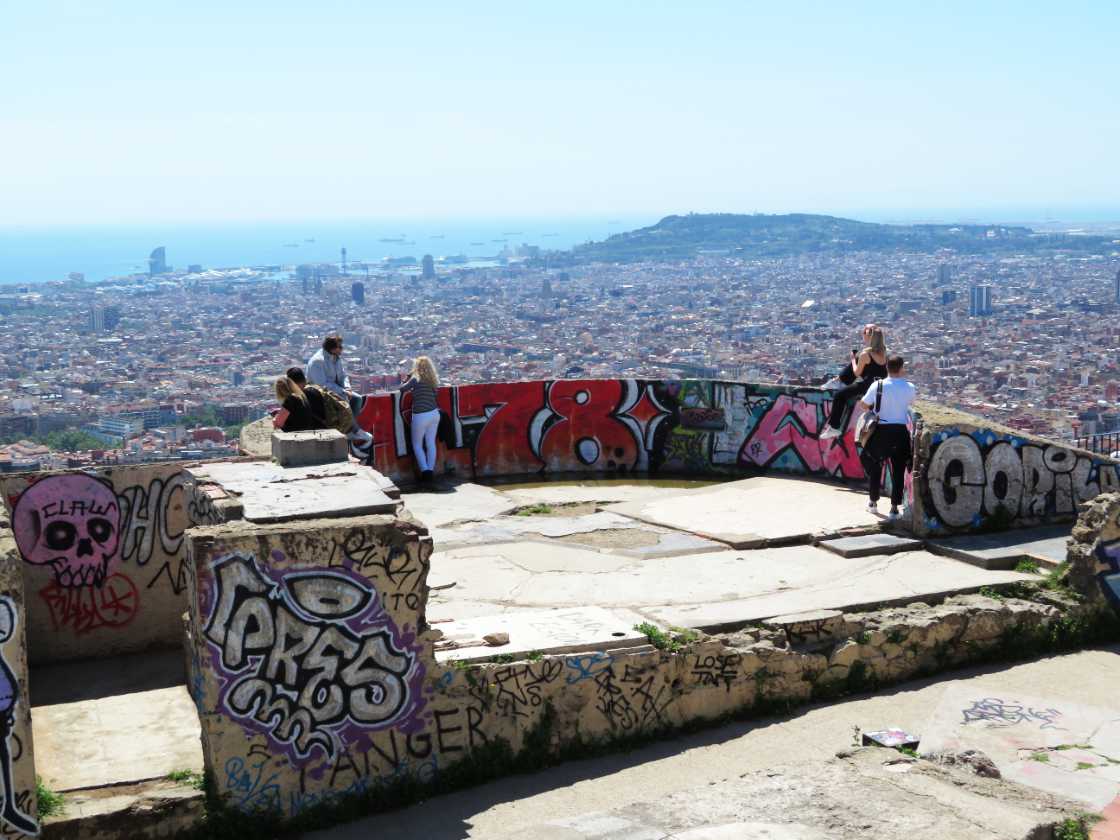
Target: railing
<point>1104,443</point>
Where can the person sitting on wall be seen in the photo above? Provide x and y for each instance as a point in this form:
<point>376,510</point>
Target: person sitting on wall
<point>867,366</point>
<point>300,411</point>
<point>326,370</point>
<point>361,441</point>
<point>891,438</point>
<point>847,374</point>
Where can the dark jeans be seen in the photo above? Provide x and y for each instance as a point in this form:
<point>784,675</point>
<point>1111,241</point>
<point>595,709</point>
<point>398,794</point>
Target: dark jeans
<point>891,441</point>
<point>842,399</point>
<point>356,402</point>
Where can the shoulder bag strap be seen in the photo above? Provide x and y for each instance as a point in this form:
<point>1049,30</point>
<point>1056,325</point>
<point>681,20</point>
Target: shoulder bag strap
<point>878,396</point>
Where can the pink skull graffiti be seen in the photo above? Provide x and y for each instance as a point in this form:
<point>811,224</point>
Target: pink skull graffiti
<point>70,523</point>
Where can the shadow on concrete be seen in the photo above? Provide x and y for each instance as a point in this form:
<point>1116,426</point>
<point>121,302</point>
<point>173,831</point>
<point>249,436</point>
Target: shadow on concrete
<point>450,816</point>
<point>73,682</point>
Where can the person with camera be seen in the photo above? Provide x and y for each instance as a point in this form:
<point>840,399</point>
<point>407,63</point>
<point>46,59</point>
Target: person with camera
<point>867,366</point>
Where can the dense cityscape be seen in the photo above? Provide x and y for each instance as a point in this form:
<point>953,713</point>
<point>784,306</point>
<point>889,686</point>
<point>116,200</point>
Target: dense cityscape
<point>170,363</point>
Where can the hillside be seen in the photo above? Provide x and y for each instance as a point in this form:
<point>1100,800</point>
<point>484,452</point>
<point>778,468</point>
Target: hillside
<point>762,235</point>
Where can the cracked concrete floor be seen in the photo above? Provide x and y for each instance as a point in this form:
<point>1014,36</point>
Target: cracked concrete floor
<point>486,564</point>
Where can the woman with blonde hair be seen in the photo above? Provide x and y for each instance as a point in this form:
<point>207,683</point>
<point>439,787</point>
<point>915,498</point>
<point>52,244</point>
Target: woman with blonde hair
<point>423,382</point>
<point>868,365</point>
<point>300,410</point>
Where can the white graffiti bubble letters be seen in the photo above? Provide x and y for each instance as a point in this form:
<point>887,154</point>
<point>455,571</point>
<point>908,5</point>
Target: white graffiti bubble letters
<point>306,656</point>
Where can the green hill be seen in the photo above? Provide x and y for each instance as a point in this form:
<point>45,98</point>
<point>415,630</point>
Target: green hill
<point>762,235</point>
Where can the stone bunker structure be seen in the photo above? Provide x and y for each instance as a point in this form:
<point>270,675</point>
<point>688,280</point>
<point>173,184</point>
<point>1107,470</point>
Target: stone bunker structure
<point>301,593</point>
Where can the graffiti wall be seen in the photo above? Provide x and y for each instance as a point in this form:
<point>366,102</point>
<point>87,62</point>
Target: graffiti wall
<point>305,648</point>
<point>617,426</point>
<point>975,477</point>
<point>18,807</point>
<point>102,558</point>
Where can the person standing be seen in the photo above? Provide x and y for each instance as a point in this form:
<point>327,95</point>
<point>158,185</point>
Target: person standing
<point>423,383</point>
<point>891,439</point>
<point>867,366</point>
<point>326,370</point>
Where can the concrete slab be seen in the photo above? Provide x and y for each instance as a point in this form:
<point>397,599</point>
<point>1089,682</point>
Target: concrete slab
<point>1003,550</point>
<point>1064,748</point>
<point>313,498</point>
<point>118,739</point>
<point>757,511</point>
<point>237,476</point>
<point>464,502</point>
<point>605,491</point>
<point>603,531</point>
<point>547,631</point>
<point>869,544</point>
<point>706,590</point>
<point>815,584</point>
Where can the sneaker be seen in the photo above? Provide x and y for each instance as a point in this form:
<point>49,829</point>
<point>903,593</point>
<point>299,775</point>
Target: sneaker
<point>427,476</point>
<point>834,384</point>
<point>894,514</point>
<point>873,507</point>
<point>828,433</point>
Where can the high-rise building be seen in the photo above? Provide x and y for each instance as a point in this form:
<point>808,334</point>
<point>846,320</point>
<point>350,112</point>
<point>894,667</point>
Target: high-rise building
<point>358,293</point>
<point>944,274</point>
<point>1118,285</point>
<point>343,261</point>
<point>112,317</point>
<point>96,318</point>
<point>980,301</point>
<point>948,296</point>
<point>157,261</point>
<point>428,270</point>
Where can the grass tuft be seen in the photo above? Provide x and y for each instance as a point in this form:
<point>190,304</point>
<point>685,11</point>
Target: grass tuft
<point>50,803</point>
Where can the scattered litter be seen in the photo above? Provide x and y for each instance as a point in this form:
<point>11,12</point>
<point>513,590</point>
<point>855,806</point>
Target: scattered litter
<point>891,738</point>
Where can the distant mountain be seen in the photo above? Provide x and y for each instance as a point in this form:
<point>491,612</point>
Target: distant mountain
<point>761,235</point>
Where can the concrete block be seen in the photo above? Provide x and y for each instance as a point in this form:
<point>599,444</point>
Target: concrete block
<point>300,449</point>
<point>870,544</point>
<point>547,631</point>
<point>808,627</point>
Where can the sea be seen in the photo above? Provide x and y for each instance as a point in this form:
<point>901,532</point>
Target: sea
<point>40,255</point>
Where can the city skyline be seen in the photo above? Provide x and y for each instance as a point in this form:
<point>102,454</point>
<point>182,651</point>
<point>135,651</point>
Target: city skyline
<point>160,115</point>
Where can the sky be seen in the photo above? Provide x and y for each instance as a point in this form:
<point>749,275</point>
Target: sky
<point>237,110</point>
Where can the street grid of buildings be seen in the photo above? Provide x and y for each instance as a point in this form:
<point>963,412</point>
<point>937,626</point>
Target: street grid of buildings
<point>1030,341</point>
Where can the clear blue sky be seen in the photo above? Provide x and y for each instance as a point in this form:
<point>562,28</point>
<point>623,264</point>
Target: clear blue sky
<point>170,111</point>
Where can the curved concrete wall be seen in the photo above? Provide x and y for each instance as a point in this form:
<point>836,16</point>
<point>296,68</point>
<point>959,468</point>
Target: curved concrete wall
<point>972,474</point>
<point>617,426</point>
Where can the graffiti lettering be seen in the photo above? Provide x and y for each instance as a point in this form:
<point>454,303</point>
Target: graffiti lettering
<point>309,657</point>
<point>586,666</point>
<point>716,669</point>
<point>620,424</point>
<point>113,604</point>
<point>969,480</point>
<point>632,701</point>
<point>153,516</point>
<point>1008,713</point>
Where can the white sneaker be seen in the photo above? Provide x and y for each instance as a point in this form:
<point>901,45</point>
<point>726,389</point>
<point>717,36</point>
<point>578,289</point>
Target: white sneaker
<point>873,507</point>
<point>828,433</point>
<point>834,384</point>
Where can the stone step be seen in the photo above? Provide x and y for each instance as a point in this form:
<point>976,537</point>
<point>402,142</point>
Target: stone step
<point>870,544</point>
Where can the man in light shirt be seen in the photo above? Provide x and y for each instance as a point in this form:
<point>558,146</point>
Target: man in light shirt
<point>325,369</point>
<point>891,440</point>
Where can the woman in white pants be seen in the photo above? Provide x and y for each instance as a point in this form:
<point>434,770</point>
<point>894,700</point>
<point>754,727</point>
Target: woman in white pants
<point>423,382</point>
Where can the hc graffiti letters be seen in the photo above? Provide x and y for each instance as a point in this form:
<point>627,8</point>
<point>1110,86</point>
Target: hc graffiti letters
<point>308,657</point>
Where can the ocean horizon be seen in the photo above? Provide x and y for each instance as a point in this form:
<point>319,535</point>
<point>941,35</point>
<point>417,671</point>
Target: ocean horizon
<point>41,255</point>
<point>35,255</point>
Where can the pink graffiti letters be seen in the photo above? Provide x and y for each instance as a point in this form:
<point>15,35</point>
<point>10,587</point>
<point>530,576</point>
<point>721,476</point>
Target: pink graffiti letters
<point>308,657</point>
<point>72,524</point>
